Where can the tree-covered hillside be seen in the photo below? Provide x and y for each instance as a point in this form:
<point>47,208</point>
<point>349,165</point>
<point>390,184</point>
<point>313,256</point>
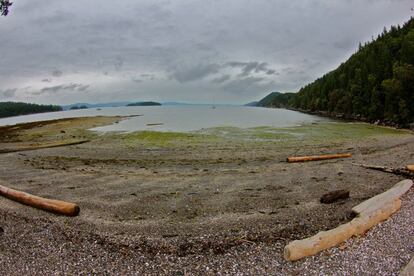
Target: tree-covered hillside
<point>276,99</point>
<point>8,109</point>
<point>376,83</point>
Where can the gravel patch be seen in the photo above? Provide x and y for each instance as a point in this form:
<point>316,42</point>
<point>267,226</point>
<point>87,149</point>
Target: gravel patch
<point>41,246</point>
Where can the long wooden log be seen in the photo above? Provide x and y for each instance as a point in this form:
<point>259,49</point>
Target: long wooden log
<point>369,213</point>
<point>317,157</point>
<point>326,239</point>
<point>51,205</point>
<point>398,171</point>
<point>44,146</point>
<point>410,168</point>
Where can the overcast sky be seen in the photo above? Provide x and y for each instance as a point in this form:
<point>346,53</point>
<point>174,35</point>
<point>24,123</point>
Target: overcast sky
<point>222,51</point>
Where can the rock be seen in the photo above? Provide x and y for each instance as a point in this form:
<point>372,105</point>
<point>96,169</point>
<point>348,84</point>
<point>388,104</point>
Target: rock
<point>334,196</point>
<point>1,231</point>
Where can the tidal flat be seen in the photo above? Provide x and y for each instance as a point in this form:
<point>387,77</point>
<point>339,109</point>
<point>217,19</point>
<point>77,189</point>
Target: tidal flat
<point>185,194</point>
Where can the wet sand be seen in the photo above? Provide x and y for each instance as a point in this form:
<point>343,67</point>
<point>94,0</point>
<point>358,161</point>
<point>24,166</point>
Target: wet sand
<point>188,197</point>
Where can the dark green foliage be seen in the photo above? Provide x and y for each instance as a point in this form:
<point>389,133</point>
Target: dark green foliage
<point>8,109</point>
<point>144,104</point>
<point>376,83</point>
<point>276,99</point>
<point>4,7</point>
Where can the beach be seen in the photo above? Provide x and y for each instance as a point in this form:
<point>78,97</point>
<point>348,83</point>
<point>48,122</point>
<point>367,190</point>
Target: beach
<point>196,203</point>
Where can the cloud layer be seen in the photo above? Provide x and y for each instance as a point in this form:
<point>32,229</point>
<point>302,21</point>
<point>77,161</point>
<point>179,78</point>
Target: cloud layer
<point>231,51</point>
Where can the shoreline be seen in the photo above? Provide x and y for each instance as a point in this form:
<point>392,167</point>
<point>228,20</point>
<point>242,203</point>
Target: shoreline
<point>353,118</point>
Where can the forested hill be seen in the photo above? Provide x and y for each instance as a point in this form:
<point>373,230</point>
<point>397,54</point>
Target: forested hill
<point>8,109</point>
<point>276,99</point>
<point>374,84</point>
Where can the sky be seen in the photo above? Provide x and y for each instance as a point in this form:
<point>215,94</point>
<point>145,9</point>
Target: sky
<point>198,51</point>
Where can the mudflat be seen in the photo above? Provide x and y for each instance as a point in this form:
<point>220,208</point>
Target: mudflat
<point>214,191</point>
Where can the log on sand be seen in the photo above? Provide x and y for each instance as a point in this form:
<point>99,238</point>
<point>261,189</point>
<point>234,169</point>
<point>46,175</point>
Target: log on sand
<point>44,146</point>
<point>334,196</point>
<point>406,172</point>
<point>294,159</point>
<point>369,213</point>
<point>51,205</point>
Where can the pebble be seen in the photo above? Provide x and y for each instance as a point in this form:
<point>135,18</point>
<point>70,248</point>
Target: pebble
<point>35,246</point>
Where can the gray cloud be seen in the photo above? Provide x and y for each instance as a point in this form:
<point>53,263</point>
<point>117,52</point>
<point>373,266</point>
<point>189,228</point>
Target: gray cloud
<point>189,47</point>
<point>222,79</point>
<point>62,88</point>
<point>119,62</point>
<point>57,73</point>
<point>136,80</point>
<point>248,68</point>
<point>8,93</point>
<point>248,85</point>
<point>148,76</point>
<point>46,80</point>
<point>193,73</point>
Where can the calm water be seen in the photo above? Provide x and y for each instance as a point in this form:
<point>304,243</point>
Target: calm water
<point>181,118</point>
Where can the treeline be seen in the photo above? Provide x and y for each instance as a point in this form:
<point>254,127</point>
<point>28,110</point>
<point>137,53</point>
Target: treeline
<point>374,84</point>
<point>8,109</point>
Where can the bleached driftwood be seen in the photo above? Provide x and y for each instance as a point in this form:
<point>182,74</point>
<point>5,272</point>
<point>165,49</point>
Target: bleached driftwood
<point>294,159</point>
<point>369,213</point>
<point>406,172</point>
<point>51,205</point>
<point>408,269</point>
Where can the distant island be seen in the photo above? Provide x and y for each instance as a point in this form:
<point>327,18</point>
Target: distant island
<point>97,105</point>
<point>9,109</point>
<point>375,84</point>
<point>108,104</point>
<point>78,107</point>
<point>144,104</point>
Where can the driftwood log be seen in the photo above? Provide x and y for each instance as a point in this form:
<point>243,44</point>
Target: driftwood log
<point>51,205</point>
<point>333,196</point>
<point>43,146</point>
<point>294,159</point>
<point>398,171</point>
<point>369,213</point>
<point>410,168</point>
<point>408,269</point>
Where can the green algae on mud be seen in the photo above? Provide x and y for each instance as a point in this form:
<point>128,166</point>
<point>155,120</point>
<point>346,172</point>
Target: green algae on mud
<point>166,139</point>
<point>332,132</point>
